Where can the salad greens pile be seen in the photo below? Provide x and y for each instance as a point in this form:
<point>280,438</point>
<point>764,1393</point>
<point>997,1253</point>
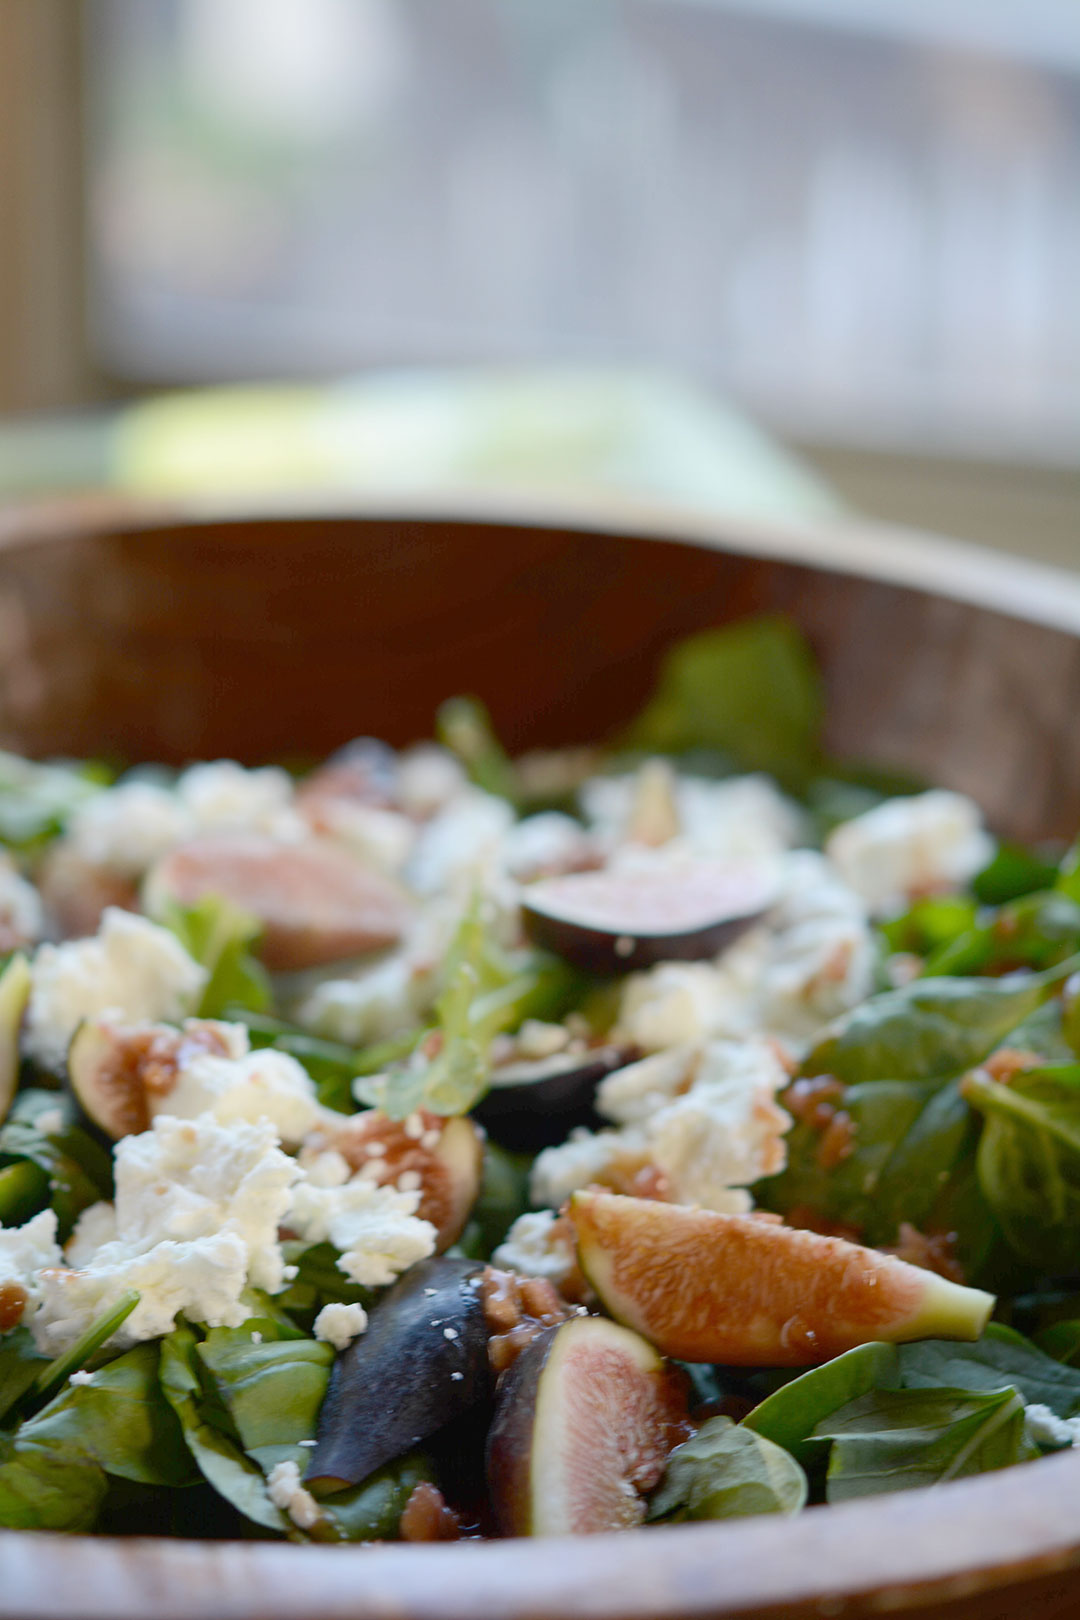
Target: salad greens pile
<point>955,1086</point>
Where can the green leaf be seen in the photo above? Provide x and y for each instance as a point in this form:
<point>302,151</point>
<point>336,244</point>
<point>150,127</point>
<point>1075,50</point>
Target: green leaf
<point>931,923</point>
<point>929,1029</point>
<point>273,1391</point>
<point>45,1489</point>
<point>923,1165</point>
<point>24,1190</point>
<point>464,726</point>
<point>218,1455</point>
<point>78,1170</point>
<point>20,1365</point>
<point>318,1281</point>
<point>728,1472</point>
<point>1013,872</point>
<point>1001,1358</point>
<point>1029,1160</point>
<point>121,1420</point>
<point>371,1511</point>
<point>898,1440</point>
<point>789,1416</point>
<point>1061,1340</point>
<point>221,937</point>
<point>751,691</point>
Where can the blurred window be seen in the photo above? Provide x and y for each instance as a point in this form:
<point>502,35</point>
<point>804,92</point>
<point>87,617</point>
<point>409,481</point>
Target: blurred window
<point>862,217</point>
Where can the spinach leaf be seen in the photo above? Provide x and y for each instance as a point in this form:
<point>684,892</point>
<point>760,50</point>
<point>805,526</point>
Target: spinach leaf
<point>24,1190</point>
<point>1035,931</point>
<point>935,921</point>
<point>217,1453</point>
<point>77,1168</point>
<point>1044,1033</point>
<point>751,691</point>
<point>317,1282</point>
<point>20,1365</point>
<point>929,1029</point>
<point>1000,1359</point>
<point>371,1511</point>
<point>1013,872</point>
<point>1061,1340</point>
<point>897,1440</point>
<point>221,937</point>
<point>464,726</point>
<point>790,1415</point>
<point>273,1391</point>
<point>923,1165</point>
<point>1029,1160</point>
<point>45,1489</point>
<point>121,1420</point>
<point>728,1472</point>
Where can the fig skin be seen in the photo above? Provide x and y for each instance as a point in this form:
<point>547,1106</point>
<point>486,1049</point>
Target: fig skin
<point>393,1387</point>
<point>551,1097</point>
<point>578,916</point>
<point>585,1419</point>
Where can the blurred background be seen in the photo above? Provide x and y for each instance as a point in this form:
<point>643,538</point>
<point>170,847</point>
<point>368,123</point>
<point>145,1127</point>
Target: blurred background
<point>768,256</point>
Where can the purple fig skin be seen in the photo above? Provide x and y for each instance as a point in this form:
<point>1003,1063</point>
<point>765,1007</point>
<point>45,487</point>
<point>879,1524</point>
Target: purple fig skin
<point>510,1438</point>
<point>395,1385</point>
<point>544,1101</point>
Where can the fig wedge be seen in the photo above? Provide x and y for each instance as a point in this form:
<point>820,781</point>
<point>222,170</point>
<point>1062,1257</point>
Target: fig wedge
<point>14,994</point>
<point>747,1291</point>
<point>616,921</point>
<point>421,1363</point>
<point>316,902</point>
<point>118,1073</point>
<point>536,1105</point>
<point>445,1155</point>
<point>585,1419</point>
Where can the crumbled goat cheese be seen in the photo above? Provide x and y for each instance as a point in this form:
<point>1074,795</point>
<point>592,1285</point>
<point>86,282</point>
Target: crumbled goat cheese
<point>428,778</point>
<point>635,1092</point>
<point>461,846</point>
<point>49,1121</point>
<point>82,1377</point>
<point>549,842</point>
<point>585,1157</point>
<point>376,1229</point>
<point>539,1245</point>
<point>1047,1429</point>
<point>536,1040</point>
<point>197,1212</point>
<point>678,1004</point>
<point>129,827</point>
<point>27,1251</point>
<point>22,916</point>
<point>286,1492</point>
<point>260,1085</point>
<point>370,1004</point>
<point>741,818</point>
<point>224,797</point>
<point>324,1167</point>
<point>131,967</point>
<point>383,838</point>
<point>95,1227</point>
<point>340,1324</point>
<point>904,848</point>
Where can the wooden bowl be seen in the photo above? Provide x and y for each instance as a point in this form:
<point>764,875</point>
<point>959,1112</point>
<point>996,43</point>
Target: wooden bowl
<point>167,635</point>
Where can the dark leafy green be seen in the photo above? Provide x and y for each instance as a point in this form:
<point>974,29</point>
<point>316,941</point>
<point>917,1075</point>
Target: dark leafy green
<point>45,1489</point>
<point>503,1196</point>
<point>1013,872</point>
<point>222,938</point>
<point>728,1472</point>
<point>998,1360</point>
<point>272,1391</point>
<point>371,1511</point>
<point>20,1365</point>
<point>87,1344</point>
<point>791,1414</point>
<point>78,1170</point>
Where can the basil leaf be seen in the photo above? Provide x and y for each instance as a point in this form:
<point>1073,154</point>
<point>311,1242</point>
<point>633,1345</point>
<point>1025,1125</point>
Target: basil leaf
<point>220,937</point>
<point>1029,1160</point>
<point>790,1415</point>
<point>1001,1358</point>
<point>219,1457</point>
<point>929,1029</point>
<point>898,1440</point>
<point>77,1168</point>
<point>121,1420</point>
<point>728,1472</point>
<point>272,1391</point>
<point>751,691</point>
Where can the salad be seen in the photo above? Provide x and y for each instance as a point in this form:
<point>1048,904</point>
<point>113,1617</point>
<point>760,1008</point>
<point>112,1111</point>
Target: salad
<point>426,1144</point>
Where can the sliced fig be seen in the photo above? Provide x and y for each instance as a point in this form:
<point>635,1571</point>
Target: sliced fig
<point>584,1422</point>
<point>747,1291</point>
<point>77,893</point>
<point>364,772</point>
<point>315,901</point>
<point>14,994</point>
<point>118,1071</point>
<point>445,1156</point>
<point>536,1105</point>
<point>421,1363</point>
<point>618,920</point>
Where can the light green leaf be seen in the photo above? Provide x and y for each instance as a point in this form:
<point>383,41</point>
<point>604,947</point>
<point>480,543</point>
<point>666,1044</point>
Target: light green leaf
<point>221,937</point>
<point>728,1472</point>
<point>1001,1358</point>
<point>273,1391</point>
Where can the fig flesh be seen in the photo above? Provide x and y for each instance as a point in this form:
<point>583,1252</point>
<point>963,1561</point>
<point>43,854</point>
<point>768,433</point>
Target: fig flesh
<point>585,1419</point>
<point>446,1156</point>
<point>122,1075</point>
<point>747,1291</point>
<point>421,1363</point>
<point>616,921</point>
<point>316,903</point>
<point>535,1105</point>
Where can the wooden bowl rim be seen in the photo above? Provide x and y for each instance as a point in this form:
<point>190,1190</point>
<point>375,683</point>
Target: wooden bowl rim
<point>905,1550</point>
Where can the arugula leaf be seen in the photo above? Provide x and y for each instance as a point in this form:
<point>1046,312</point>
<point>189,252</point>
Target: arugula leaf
<point>20,1365</point>
<point>220,937</point>
<point>273,1391</point>
<point>1029,1160</point>
<point>78,1170</point>
<point>121,1420</point>
<point>790,1415</point>
<point>929,1029</point>
<point>218,1455</point>
<point>728,1472</point>
<point>464,726</point>
<point>1001,1358</point>
<point>751,691</point>
<point>897,1440</point>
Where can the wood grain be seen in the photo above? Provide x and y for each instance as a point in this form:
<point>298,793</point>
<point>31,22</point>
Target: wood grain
<point>151,636</point>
